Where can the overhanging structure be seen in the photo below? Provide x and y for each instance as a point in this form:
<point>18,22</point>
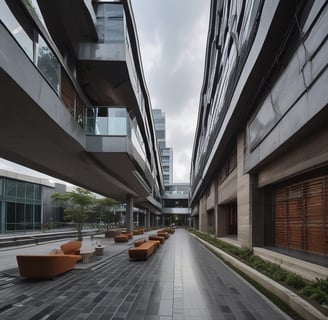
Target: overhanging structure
<point>74,103</point>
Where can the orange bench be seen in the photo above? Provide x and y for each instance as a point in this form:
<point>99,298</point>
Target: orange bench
<point>128,233</point>
<point>142,241</point>
<point>158,238</point>
<point>163,234</point>
<point>51,265</point>
<point>121,238</point>
<point>71,247</point>
<point>143,251</point>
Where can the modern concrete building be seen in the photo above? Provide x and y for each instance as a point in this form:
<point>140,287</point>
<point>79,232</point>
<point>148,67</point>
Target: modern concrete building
<point>74,103</point>
<point>166,153</point>
<point>175,206</point>
<point>260,159</point>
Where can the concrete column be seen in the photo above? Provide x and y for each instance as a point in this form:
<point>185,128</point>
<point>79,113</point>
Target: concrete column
<point>216,209</point>
<point>202,214</point>
<point>148,219</point>
<point>129,213</point>
<point>151,220</point>
<point>244,197</point>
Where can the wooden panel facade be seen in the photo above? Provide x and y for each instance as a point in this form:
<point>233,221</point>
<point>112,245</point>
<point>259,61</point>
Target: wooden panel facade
<point>301,216</point>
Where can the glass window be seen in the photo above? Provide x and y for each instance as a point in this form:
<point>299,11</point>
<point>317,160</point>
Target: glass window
<point>29,191</point>
<point>110,25</point>
<point>37,217</point>
<point>10,216</point>
<point>114,27</point>
<point>29,213</point>
<point>20,195</point>
<point>11,189</point>
<point>161,144</point>
<point>160,134</point>
<point>48,64</point>
<point>37,193</point>
<point>176,203</point>
<point>1,181</point>
<point>20,216</point>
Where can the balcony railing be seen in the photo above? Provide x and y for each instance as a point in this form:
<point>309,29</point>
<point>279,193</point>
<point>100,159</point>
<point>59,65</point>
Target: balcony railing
<point>106,121</point>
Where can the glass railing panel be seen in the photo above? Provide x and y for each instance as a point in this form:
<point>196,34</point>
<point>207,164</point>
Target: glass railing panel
<point>137,140</point>
<point>115,122</point>
<point>107,121</point>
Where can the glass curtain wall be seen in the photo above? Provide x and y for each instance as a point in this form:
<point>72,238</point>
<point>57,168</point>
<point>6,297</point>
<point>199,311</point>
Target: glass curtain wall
<point>21,205</point>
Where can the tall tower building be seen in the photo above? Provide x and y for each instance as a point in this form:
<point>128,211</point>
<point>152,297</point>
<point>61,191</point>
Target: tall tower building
<point>166,154</point>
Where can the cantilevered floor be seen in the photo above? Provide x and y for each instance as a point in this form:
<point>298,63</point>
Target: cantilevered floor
<point>182,280</point>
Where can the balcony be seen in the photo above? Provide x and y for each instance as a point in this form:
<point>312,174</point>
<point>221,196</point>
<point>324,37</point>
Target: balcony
<point>115,122</point>
<point>114,140</point>
<point>107,67</point>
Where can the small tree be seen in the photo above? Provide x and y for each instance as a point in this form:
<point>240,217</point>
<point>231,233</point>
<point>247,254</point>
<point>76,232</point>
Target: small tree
<point>78,206</point>
<point>105,207</point>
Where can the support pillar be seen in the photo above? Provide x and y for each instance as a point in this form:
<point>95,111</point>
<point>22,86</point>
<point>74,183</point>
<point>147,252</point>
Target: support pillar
<point>202,214</point>
<point>129,213</point>
<point>247,195</point>
<point>148,219</point>
<point>216,209</point>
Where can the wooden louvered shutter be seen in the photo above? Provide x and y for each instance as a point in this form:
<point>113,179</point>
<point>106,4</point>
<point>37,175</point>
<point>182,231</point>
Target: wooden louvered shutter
<point>301,217</point>
<point>316,216</point>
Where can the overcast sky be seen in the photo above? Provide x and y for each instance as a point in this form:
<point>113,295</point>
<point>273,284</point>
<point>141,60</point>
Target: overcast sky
<point>172,36</point>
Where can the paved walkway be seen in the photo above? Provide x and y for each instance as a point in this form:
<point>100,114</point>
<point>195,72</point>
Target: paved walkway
<point>182,280</point>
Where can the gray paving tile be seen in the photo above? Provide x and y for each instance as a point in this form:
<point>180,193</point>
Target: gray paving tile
<point>182,281</point>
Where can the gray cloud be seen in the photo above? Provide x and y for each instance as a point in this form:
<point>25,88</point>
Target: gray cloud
<point>172,36</point>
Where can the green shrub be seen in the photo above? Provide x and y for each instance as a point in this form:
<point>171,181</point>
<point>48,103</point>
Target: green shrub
<point>317,290</point>
<point>257,263</point>
<point>278,273</point>
<point>295,281</point>
<point>244,253</point>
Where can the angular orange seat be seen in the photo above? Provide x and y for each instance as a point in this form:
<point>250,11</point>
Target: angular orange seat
<point>138,243</point>
<point>156,242</point>
<point>71,247</point>
<point>163,234</point>
<point>127,233</point>
<point>159,238</point>
<point>51,265</point>
<point>142,252</point>
<point>121,238</point>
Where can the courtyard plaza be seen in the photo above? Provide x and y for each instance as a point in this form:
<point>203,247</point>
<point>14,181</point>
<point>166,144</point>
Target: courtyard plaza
<point>182,280</point>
